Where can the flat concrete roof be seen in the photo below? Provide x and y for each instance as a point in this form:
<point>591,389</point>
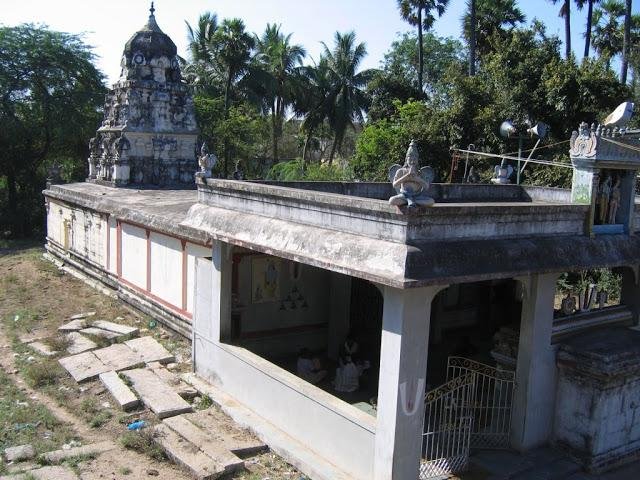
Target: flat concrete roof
<point>365,237</point>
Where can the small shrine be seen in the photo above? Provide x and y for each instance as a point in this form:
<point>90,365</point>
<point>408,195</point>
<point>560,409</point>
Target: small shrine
<point>149,132</point>
<point>606,162</point>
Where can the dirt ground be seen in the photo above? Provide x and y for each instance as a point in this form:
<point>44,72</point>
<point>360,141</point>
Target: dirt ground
<point>42,405</point>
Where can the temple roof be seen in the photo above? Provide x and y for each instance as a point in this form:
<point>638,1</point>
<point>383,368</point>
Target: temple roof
<point>150,41</point>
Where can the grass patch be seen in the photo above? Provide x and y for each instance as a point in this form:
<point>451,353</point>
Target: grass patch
<point>124,470</point>
<point>93,414</point>
<point>74,462</point>
<point>41,372</point>
<point>21,321</point>
<point>143,441</point>
<point>59,343</point>
<point>24,421</point>
<point>204,403</point>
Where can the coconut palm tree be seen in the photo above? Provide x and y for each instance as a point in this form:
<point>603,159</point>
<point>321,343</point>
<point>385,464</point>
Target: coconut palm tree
<point>607,36</point>
<point>492,17</point>
<point>281,61</point>
<point>420,13</point>
<point>201,38</point>
<point>233,47</point>
<point>587,33</point>
<point>626,44</point>
<point>473,25</point>
<point>347,100</point>
<point>565,12</point>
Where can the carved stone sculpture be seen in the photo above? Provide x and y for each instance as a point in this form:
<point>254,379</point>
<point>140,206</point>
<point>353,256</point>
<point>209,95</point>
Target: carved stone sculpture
<point>410,183</point>
<point>614,202</point>
<point>473,176</point>
<point>207,162</point>
<point>502,173</point>
<point>604,193</point>
<point>568,305</point>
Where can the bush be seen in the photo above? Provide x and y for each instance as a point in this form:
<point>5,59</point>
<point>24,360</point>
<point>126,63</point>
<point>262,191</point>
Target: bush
<point>144,442</point>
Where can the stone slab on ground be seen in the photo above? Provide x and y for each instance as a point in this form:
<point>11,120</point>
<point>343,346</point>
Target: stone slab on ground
<point>78,343</point>
<point>206,441</point>
<point>59,456</point>
<point>73,326</point>
<point>183,389</point>
<point>42,349</point>
<point>80,316</point>
<point>19,453</point>
<point>45,473</point>
<point>83,366</point>
<point>155,394</point>
<point>150,350</point>
<point>119,390</point>
<point>118,357</point>
<point>99,332</point>
<point>236,440</point>
<point>187,455</point>
<point>115,327</point>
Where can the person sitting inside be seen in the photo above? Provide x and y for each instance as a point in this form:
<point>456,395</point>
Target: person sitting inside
<point>309,368</point>
<point>349,370</point>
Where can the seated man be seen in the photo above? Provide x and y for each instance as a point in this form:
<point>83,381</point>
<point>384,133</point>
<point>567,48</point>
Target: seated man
<point>310,368</point>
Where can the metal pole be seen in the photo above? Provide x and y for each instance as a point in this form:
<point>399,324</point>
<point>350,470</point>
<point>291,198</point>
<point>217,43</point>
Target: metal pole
<point>519,159</point>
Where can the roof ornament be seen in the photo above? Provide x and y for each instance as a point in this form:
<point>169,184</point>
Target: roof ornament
<point>151,10</point>
<point>410,182</point>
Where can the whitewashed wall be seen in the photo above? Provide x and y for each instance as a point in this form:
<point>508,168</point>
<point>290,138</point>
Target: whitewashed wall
<point>134,255</point>
<point>113,246</point>
<point>85,231</point>
<point>166,268</point>
<point>193,251</point>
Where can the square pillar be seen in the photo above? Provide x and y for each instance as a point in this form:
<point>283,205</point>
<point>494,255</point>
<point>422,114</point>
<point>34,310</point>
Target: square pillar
<point>534,397</point>
<point>403,371</point>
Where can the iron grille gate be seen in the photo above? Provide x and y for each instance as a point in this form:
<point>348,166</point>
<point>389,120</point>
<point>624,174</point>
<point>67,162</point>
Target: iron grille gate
<point>471,410</point>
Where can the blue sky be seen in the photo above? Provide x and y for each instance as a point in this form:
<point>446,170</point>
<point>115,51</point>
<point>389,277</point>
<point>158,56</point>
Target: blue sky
<point>108,24</point>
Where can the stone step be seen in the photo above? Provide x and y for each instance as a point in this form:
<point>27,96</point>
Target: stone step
<point>186,454</point>
<point>59,456</point>
<point>42,349</point>
<point>83,366</point>
<point>80,316</point>
<point>155,394</point>
<point>79,343</point>
<point>207,441</point>
<point>115,328</point>
<point>181,388</point>
<point>119,390</point>
<point>119,357</point>
<point>73,326</point>
<point>235,439</point>
<point>44,473</point>
<point>150,350</point>
<point>99,332</point>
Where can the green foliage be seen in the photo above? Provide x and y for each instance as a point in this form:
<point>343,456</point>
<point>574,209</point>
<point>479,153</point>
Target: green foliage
<point>604,279</point>
<point>293,170</point>
<point>45,76</point>
<point>142,441</point>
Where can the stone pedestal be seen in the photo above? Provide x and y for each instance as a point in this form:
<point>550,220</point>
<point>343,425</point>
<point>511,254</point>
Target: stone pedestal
<point>598,398</point>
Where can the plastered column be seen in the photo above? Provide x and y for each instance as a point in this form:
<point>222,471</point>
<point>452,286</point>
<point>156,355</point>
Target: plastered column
<point>534,397</point>
<point>403,367</point>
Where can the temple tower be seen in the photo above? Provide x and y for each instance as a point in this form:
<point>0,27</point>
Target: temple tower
<point>149,132</point>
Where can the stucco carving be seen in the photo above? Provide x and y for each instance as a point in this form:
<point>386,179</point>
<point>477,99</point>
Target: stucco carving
<point>410,183</point>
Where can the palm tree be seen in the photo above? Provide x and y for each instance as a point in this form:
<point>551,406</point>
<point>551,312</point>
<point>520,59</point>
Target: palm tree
<point>201,38</point>
<point>565,12</point>
<point>493,17</point>
<point>420,13</point>
<point>607,37</point>
<point>589,26</point>
<point>347,100</point>
<point>473,25</point>
<point>232,54</point>
<point>626,42</point>
<point>281,62</point>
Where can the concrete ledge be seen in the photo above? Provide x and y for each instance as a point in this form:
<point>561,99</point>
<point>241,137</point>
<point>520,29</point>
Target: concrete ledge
<point>279,442</point>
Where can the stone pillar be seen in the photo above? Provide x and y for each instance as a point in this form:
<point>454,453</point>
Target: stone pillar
<point>339,308</point>
<point>630,295</point>
<point>534,397</point>
<point>403,368</point>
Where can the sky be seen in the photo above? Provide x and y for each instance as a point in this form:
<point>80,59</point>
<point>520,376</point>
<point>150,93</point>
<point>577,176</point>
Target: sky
<point>107,25</point>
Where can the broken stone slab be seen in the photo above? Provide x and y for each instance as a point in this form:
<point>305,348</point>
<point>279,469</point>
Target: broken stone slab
<point>44,473</point>
<point>115,328</point>
<point>150,350</point>
<point>42,349</point>
<point>119,390</point>
<point>99,332</point>
<point>206,442</point>
<point>80,316</point>
<point>181,388</point>
<point>155,394</point>
<point>19,453</point>
<point>118,357</point>
<point>83,366</point>
<point>236,440</point>
<point>59,456</point>
<point>78,343</point>
<point>73,326</point>
<point>186,454</point>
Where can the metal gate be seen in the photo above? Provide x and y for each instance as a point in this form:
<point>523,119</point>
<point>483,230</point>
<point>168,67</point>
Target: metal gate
<point>491,402</point>
<point>447,426</point>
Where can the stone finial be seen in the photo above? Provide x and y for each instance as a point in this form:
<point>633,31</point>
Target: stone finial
<point>410,183</point>
<point>502,173</point>
<point>152,9</point>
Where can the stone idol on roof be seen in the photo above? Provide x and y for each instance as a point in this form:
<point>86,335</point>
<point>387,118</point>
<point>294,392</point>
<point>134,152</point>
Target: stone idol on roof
<point>149,132</point>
